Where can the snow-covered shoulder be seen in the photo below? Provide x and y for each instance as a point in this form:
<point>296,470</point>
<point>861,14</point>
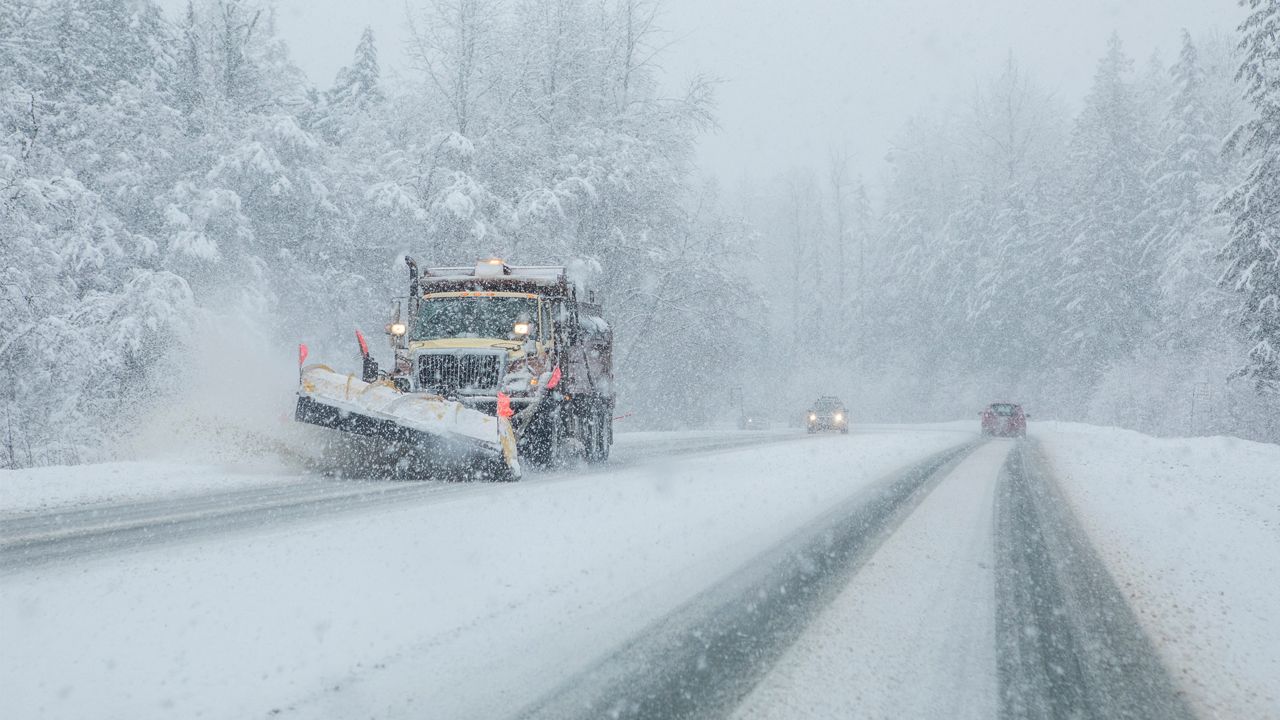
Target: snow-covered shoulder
<point>1190,527</point>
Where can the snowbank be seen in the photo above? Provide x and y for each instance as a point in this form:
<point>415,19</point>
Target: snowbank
<point>1190,528</point>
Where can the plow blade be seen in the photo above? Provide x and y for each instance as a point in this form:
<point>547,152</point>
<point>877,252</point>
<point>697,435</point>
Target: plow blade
<point>450,436</point>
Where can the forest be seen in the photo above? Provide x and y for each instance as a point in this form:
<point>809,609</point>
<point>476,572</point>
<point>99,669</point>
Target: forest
<point>180,206</point>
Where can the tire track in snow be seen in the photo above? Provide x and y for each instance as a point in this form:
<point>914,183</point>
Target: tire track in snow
<point>30,541</point>
<point>1068,644</point>
<point>703,659</point>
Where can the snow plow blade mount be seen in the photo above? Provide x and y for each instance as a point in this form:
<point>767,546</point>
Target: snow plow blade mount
<point>458,440</point>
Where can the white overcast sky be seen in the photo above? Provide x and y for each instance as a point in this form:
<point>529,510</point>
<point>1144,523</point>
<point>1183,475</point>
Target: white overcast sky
<point>803,77</point>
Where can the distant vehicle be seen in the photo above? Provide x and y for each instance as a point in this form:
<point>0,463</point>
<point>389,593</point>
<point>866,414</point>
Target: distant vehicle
<point>1004,420</point>
<point>753,421</point>
<point>828,413</point>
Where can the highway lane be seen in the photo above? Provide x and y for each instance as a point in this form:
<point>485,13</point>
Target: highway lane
<point>32,540</point>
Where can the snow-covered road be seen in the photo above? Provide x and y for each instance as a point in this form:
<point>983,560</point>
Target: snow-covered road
<point>924,600</point>
<point>896,572</point>
<point>217,504</point>
<point>470,600</point>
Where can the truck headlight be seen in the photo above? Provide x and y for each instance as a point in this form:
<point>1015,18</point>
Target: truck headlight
<point>397,329</point>
<point>520,328</point>
<point>839,417</point>
<point>813,416</point>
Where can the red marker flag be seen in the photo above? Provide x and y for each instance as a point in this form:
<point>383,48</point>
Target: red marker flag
<point>504,405</point>
<point>364,346</point>
<point>555,379</point>
<point>302,353</point>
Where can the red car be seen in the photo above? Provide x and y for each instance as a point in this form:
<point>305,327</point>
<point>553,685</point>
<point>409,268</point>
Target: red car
<point>1004,420</point>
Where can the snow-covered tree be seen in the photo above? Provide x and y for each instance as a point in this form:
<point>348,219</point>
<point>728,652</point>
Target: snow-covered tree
<point>356,95</point>
<point>1186,169</point>
<point>455,46</point>
<point>359,84</point>
<point>1253,254</point>
<point>1106,286</point>
<point>94,45</point>
<point>156,177</point>
<point>1185,181</point>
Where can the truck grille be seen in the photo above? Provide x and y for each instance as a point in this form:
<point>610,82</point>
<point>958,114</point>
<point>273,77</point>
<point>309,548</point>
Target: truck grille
<point>458,372</point>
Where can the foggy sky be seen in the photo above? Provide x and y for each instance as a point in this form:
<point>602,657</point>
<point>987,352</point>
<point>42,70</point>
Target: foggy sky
<point>801,78</point>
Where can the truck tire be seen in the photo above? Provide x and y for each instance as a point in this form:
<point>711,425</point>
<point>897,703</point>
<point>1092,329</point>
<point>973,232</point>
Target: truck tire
<point>541,439</point>
<point>598,433</point>
<point>605,436</point>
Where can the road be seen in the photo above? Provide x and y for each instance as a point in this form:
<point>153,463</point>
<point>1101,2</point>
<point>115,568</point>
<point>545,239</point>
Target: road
<point>890,573</point>
<point>31,539</point>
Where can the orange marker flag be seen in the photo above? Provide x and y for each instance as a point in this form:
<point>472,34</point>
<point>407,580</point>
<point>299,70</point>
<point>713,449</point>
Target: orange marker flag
<point>555,379</point>
<point>504,405</point>
<point>302,353</point>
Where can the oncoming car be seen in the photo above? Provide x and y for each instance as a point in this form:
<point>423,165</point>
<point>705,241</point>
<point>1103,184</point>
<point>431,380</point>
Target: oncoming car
<point>828,413</point>
<point>1004,420</point>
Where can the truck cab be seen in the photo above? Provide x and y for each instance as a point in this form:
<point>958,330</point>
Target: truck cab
<point>523,340</point>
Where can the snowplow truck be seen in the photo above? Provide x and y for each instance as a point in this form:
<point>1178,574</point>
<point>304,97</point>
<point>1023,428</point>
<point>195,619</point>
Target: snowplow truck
<point>524,348</point>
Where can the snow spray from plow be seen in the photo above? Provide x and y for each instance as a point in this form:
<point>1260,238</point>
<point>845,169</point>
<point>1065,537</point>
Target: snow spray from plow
<point>453,437</point>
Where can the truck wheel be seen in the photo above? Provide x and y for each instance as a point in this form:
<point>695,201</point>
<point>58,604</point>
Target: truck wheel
<point>597,440</point>
<point>541,438</point>
<point>606,434</point>
<point>497,471</point>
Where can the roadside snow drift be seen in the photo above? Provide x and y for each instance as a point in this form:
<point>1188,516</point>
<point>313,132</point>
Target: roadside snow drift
<point>1190,528</point>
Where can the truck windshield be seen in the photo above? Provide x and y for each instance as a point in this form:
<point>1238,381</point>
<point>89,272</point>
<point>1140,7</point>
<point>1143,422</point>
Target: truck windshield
<point>474,317</point>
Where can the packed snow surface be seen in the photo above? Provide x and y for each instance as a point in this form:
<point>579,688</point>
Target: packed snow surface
<point>54,488</point>
<point>296,447</point>
<point>924,600</point>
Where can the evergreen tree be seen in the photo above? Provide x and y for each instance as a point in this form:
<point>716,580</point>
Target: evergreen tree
<point>1185,178</point>
<point>1252,256</point>
<point>1105,292</point>
<point>355,95</point>
<point>359,84</point>
<point>1189,161</point>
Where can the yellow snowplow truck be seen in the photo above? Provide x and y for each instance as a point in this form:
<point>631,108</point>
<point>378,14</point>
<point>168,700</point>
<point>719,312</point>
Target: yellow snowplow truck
<point>493,364</point>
